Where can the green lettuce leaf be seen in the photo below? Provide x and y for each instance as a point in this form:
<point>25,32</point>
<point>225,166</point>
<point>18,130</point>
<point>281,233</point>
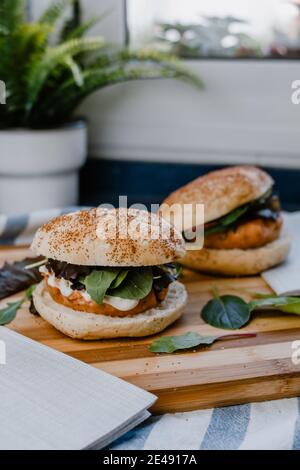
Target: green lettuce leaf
<point>98,282</point>
<point>227,220</point>
<point>137,284</point>
<point>119,279</point>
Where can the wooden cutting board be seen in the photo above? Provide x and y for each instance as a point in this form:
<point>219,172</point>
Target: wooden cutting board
<point>229,372</point>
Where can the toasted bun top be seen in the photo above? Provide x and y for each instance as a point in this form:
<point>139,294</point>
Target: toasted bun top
<point>109,237</point>
<point>223,190</point>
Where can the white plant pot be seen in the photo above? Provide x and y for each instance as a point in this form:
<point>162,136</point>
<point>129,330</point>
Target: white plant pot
<point>39,169</point>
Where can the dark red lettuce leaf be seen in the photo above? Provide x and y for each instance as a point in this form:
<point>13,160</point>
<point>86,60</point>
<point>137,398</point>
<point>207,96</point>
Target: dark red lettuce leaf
<point>14,277</point>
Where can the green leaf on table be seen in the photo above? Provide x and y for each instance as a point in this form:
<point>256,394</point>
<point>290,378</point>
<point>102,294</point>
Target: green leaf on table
<point>170,344</point>
<point>8,314</point>
<point>228,312</point>
<point>282,303</point>
<point>98,282</point>
<point>136,286</point>
<point>291,308</point>
<point>232,312</point>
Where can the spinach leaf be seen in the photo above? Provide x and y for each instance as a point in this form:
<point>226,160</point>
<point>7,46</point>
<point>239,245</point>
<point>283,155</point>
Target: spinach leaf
<point>282,303</point>
<point>259,205</point>
<point>227,312</point>
<point>119,279</point>
<point>292,308</point>
<point>224,222</point>
<point>170,344</point>
<point>232,312</point>
<point>137,284</point>
<point>8,314</point>
<point>98,282</point>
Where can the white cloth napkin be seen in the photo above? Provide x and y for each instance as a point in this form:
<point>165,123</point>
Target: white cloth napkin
<point>285,279</point>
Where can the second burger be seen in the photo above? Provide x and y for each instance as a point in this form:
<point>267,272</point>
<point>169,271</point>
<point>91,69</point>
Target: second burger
<point>243,232</point>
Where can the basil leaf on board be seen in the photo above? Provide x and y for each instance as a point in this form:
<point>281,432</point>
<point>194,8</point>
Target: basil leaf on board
<point>170,344</point>
<point>8,314</point>
<point>98,282</point>
<point>119,279</point>
<point>228,312</point>
<point>136,286</point>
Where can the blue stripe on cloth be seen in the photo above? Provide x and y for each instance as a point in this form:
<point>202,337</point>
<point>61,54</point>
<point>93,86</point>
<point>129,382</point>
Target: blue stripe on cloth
<point>135,439</point>
<point>67,210</point>
<point>13,229</point>
<point>227,428</point>
<point>296,445</point>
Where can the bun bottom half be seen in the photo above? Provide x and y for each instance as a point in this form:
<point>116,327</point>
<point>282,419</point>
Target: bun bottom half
<point>236,262</point>
<point>90,326</point>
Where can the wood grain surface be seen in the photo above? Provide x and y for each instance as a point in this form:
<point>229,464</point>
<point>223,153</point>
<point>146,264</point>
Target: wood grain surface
<point>230,372</point>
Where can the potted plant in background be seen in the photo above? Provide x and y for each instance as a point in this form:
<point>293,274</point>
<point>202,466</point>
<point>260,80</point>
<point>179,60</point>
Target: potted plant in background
<point>48,71</point>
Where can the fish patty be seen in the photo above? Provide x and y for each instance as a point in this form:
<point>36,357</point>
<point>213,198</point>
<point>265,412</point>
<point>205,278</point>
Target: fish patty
<point>249,234</point>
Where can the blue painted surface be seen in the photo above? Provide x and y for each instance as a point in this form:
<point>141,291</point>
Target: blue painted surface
<point>102,181</point>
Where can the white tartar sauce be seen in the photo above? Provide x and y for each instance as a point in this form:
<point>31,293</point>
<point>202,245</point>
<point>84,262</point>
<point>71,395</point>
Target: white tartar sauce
<point>65,289</point>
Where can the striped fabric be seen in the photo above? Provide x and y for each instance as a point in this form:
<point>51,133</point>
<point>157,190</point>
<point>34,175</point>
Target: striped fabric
<point>258,426</point>
<point>268,425</point>
<point>20,229</point>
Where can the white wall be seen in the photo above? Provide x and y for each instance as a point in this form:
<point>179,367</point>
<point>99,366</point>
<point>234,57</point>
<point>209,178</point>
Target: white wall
<point>245,113</point>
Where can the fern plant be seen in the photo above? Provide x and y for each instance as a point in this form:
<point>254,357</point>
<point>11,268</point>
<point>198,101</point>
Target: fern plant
<point>49,68</point>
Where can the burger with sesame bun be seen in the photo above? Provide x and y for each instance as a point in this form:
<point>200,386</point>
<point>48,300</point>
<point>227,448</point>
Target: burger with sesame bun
<point>109,273</point>
<point>243,233</point>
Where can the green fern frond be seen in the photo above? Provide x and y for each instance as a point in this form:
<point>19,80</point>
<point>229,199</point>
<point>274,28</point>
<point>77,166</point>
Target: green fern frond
<point>82,29</point>
<point>53,57</point>
<point>68,97</point>
<point>76,70</point>
<point>85,27</point>
<point>46,83</point>
<point>12,13</point>
<point>17,53</point>
<point>162,60</point>
<point>54,12</point>
<point>33,36</point>
<point>154,59</point>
